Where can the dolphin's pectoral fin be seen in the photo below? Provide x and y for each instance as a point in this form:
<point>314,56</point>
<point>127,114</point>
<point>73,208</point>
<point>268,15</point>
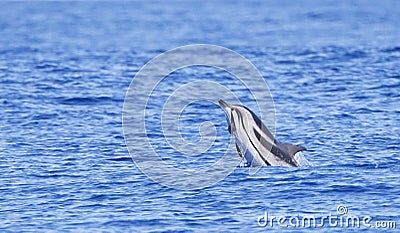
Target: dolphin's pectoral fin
<point>291,149</point>
<point>239,151</point>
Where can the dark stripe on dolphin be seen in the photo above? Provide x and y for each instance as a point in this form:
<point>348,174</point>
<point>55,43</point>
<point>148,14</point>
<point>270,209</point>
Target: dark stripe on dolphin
<point>248,136</point>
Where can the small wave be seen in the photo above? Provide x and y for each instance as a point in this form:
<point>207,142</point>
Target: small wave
<point>355,54</point>
<point>367,110</point>
<point>46,65</point>
<point>337,89</point>
<point>392,50</point>
<point>385,86</point>
<point>345,115</point>
<point>85,100</point>
<point>120,159</point>
<point>44,116</point>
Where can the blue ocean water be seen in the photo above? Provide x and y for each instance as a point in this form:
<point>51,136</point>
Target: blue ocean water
<point>332,68</point>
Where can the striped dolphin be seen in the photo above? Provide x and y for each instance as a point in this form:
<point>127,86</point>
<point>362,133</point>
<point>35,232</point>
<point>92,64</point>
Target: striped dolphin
<point>254,141</point>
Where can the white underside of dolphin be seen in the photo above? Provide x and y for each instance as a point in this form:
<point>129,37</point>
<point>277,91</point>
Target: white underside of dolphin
<point>255,142</point>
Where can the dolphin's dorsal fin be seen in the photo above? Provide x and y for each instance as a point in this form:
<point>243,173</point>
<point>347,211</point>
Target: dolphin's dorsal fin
<point>291,149</point>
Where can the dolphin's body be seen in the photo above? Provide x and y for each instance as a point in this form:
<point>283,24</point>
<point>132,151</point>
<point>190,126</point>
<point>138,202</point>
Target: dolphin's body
<point>254,142</point>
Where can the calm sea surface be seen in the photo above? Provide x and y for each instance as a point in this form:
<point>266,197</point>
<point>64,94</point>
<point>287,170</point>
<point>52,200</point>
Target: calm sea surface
<point>333,69</point>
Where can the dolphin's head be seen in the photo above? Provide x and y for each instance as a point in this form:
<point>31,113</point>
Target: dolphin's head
<point>228,112</point>
<point>226,107</point>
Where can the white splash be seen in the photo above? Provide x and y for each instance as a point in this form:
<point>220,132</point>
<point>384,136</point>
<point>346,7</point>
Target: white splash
<point>302,160</point>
